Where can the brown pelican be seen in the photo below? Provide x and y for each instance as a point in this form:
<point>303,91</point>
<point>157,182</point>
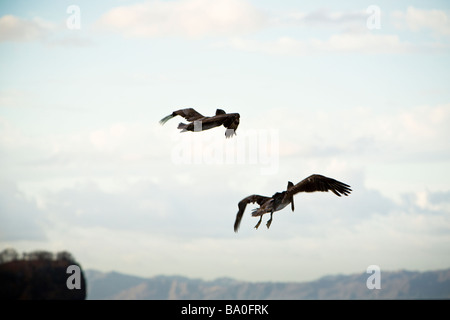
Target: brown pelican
<point>199,122</point>
<point>279,200</point>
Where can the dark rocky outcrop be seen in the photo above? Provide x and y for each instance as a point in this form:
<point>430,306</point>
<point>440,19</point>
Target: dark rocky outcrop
<point>40,275</point>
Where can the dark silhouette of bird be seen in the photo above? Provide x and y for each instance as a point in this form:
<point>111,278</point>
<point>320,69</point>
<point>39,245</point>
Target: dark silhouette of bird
<point>280,200</point>
<point>198,122</point>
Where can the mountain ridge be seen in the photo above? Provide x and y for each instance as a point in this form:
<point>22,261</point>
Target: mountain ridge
<point>401,284</point>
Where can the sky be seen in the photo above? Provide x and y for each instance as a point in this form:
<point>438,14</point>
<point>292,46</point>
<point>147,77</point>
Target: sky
<point>359,92</point>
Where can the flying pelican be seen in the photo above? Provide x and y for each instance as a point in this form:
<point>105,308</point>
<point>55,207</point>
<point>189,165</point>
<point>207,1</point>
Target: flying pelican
<point>279,200</point>
<point>199,122</point>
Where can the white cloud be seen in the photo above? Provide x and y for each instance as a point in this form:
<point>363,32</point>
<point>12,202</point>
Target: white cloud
<point>418,133</point>
<point>437,21</point>
<point>369,137</point>
<point>120,231</point>
<point>325,17</point>
<point>13,97</point>
<point>189,18</point>
<point>364,43</point>
<point>20,218</point>
<point>352,35</point>
<point>13,28</point>
<point>16,29</point>
<point>172,224</point>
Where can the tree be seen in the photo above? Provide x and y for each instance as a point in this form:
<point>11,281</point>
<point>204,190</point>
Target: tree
<point>40,255</point>
<point>9,254</point>
<point>65,255</point>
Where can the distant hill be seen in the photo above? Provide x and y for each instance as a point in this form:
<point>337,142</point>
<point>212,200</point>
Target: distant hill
<point>394,285</point>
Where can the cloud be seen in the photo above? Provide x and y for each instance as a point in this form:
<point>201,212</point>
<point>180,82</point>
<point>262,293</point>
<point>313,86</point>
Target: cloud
<point>13,97</point>
<point>428,202</point>
<point>201,205</point>
<point>327,18</point>
<point>13,28</point>
<point>201,208</point>
<point>149,216</point>
<point>112,145</point>
<point>186,18</point>
<point>16,29</point>
<point>344,43</point>
<point>20,218</point>
<point>370,137</point>
<point>350,33</point>
<point>437,21</point>
<point>418,132</point>
<point>78,166</point>
<point>161,228</point>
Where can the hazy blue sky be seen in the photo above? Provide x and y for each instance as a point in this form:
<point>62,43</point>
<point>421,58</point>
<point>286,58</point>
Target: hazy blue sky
<point>358,91</point>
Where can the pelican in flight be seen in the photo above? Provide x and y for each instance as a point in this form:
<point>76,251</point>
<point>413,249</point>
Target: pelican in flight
<point>199,122</point>
<point>279,200</point>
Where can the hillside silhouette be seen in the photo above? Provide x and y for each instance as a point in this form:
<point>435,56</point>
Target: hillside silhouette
<point>400,285</point>
<point>39,275</point>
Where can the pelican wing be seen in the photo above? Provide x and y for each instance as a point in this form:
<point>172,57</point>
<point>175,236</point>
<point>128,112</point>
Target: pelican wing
<point>189,114</point>
<point>243,204</point>
<point>317,182</point>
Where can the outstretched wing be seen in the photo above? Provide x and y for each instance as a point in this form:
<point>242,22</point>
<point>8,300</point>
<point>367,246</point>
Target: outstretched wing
<point>243,203</point>
<point>317,182</point>
<point>189,114</point>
